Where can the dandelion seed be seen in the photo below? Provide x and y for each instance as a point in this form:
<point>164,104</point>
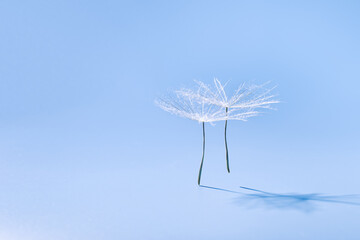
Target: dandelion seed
<point>194,109</point>
<point>211,104</point>
<point>245,103</point>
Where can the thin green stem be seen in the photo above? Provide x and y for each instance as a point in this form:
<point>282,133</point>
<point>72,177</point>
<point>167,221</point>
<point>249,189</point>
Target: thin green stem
<point>203,154</point>
<point>226,147</point>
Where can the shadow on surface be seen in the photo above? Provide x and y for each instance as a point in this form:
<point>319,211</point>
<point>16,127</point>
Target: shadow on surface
<point>303,202</point>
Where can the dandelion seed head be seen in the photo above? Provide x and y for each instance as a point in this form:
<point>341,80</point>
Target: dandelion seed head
<point>206,103</point>
<point>187,107</point>
<point>244,103</point>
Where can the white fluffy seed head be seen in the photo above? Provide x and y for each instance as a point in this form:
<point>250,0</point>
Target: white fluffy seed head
<point>207,103</point>
<point>188,108</point>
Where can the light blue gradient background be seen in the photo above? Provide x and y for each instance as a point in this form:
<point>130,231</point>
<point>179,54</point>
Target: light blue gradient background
<point>85,153</point>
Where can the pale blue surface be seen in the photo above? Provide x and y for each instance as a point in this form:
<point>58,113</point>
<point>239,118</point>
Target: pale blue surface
<point>85,154</point>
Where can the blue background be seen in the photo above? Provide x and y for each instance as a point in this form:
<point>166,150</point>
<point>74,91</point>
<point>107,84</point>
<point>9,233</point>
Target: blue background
<point>85,153</point>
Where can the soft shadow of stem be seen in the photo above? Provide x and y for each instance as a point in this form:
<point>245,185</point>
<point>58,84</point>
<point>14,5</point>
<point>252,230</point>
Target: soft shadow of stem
<point>302,202</point>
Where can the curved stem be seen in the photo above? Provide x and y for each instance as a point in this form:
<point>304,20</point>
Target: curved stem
<point>226,148</point>
<point>203,154</point>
